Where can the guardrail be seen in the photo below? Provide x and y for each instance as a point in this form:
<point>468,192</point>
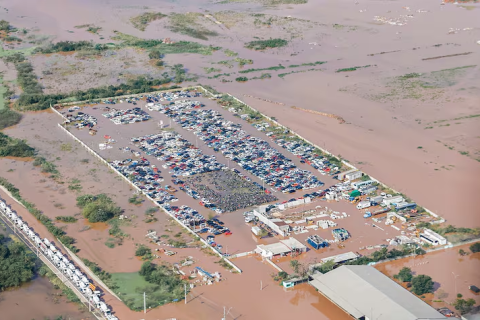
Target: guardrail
<point>150,198</point>
<point>50,265</point>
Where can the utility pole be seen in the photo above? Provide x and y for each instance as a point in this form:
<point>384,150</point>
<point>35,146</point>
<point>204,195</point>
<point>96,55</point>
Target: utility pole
<point>144,304</point>
<point>261,285</point>
<point>185,293</point>
<point>455,280</point>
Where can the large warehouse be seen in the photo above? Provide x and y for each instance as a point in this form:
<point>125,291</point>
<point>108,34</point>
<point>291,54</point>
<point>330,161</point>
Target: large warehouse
<point>367,294</point>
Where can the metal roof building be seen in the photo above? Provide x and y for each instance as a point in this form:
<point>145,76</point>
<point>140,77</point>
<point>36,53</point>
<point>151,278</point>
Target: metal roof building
<point>367,294</point>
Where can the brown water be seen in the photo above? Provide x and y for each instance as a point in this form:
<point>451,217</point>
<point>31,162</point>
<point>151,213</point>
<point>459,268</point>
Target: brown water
<point>37,300</point>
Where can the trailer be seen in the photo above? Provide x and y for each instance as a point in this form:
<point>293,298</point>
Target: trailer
<point>353,175</point>
<point>317,242</point>
<point>363,205</point>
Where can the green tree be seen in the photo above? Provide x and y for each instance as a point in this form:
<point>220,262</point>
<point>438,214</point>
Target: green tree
<point>143,251</point>
<point>295,265</point>
<point>327,266</point>
<point>405,275</point>
<point>98,208</point>
<point>464,306</point>
<point>16,265</point>
<point>422,284</point>
<point>475,247</point>
<point>4,25</point>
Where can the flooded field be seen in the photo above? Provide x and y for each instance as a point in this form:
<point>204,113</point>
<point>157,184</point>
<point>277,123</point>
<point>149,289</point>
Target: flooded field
<point>403,75</point>
<point>38,300</point>
<point>451,272</point>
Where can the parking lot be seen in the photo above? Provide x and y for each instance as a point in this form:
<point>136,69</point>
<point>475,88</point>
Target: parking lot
<point>173,165</point>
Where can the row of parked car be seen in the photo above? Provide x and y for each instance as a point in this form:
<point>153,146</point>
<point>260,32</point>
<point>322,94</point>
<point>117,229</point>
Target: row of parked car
<point>127,116</point>
<point>196,221</point>
<point>163,96</point>
<point>179,155</point>
<point>146,177</point>
<point>305,152</point>
<point>253,154</point>
<point>82,120</point>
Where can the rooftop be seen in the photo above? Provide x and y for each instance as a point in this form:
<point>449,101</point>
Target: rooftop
<point>363,291</point>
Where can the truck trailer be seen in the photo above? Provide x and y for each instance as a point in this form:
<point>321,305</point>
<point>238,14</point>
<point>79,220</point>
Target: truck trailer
<point>376,212</point>
<point>363,205</point>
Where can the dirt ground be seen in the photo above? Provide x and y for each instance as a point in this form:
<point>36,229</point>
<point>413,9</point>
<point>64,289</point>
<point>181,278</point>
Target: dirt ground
<point>454,276</point>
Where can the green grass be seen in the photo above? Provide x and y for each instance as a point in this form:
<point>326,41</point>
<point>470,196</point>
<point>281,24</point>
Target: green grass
<point>142,21</point>
<point>281,75</point>
<point>187,24</point>
<point>24,51</point>
<point>309,64</point>
<point>266,44</point>
<point>352,68</point>
<point>131,287</point>
<point>230,53</point>
<point>274,68</point>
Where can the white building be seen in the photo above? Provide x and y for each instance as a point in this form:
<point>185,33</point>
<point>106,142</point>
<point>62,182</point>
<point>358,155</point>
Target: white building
<point>353,175</point>
<point>283,247</point>
<point>433,238</point>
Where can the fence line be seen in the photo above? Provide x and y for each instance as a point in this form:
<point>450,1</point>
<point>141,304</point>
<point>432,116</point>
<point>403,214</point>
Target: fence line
<point>313,144</point>
<point>150,198</point>
<point>273,265</point>
<point>50,265</point>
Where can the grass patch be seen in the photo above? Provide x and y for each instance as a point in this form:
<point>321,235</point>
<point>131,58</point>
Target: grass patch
<point>187,24</point>
<point>46,166</point>
<point>210,70</point>
<point>242,62</point>
<point>75,185</point>
<point>8,118</point>
<point>308,64</point>
<point>274,68</point>
<point>281,75</point>
<point>230,53</point>
<point>136,200</point>
<point>142,21</point>
<point>66,219</point>
<point>11,147</point>
<point>94,29</point>
<point>263,76</point>
<point>352,68</point>
<point>131,286</point>
<point>266,44</point>
<point>66,147</point>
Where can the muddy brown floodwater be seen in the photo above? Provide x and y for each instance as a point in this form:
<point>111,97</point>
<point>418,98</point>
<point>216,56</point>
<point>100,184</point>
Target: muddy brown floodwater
<point>451,273</point>
<point>38,300</point>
